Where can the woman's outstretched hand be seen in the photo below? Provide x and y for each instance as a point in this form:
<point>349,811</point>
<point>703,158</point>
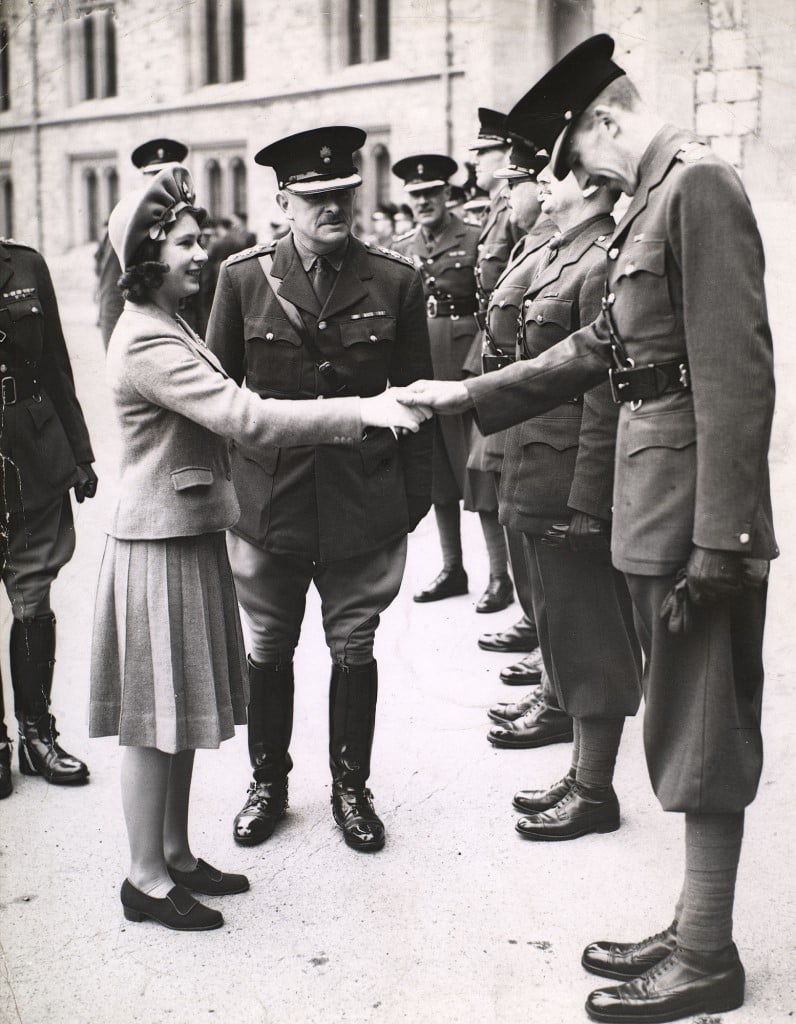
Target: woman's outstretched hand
<point>442,396</point>
<point>386,410</point>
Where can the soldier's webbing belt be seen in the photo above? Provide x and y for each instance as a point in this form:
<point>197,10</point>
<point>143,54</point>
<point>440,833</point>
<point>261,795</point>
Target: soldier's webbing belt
<point>440,305</point>
<point>636,384</point>
<point>322,364</point>
<point>19,384</point>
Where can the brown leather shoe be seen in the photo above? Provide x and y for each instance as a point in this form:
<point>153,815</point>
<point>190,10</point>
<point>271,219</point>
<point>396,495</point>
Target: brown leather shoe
<point>531,801</point>
<point>540,726</point>
<point>525,672</point>
<point>579,813</point>
<point>684,984</point>
<point>449,583</point>
<point>625,960</point>
<point>520,638</point>
<point>510,712</point>
<point>498,595</point>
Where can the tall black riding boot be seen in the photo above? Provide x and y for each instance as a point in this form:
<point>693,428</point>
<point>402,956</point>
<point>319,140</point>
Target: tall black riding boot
<point>6,785</point>
<point>270,729</point>
<point>32,664</point>
<point>352,719</point>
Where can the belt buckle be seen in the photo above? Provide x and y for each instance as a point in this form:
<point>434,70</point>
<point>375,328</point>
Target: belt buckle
<point>432,306</point>
<point>8,391</point>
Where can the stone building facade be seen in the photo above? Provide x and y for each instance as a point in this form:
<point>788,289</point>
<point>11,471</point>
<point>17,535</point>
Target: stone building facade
<point>82,82</point>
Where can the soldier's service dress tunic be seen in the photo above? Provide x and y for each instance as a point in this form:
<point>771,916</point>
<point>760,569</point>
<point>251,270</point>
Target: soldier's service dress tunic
<point>43,436</point>
<point>684,286</point>
<point>563,462</point>
<point>447,266</point>
<point>338,516</point>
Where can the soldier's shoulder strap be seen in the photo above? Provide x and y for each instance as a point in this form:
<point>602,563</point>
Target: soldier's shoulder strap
<point>390,254</point>
<point>12,243</point>
<point>249,254</point>
<point>691,152</point>
<point>405,236</point>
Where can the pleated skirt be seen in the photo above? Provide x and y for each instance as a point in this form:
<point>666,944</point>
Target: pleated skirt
<point>168,665</point>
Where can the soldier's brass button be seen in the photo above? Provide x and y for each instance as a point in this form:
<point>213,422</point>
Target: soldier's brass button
<point>432,280</point>
<point>601,238</point>
<point>269,336</point>
<point>34,309</point>
<point>611,298</point>
<point>527,303</point>
<point>3,368</point>
<point>744,538</point>
<point>613,253</point>
<point>373,337</point>
<point>539,318</point>
<point>322,325</point>
<point>457,265</point>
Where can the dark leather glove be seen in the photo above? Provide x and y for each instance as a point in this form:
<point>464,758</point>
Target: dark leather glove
<point>713,575</point>
<point>676,607</point>
<point>418,505</point>
<point>556,535</point>
<point>588,534</point>
<point>86,486</point>
<point>754,571</point>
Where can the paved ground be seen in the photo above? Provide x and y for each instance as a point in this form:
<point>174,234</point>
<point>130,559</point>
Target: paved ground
<point>457,920</point>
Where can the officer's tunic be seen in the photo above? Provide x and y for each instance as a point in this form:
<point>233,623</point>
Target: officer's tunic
<point>43,435</point>
<point>691,465</point>
<point>563,462</point>
<point>323,506</point>
<point>447,266</point>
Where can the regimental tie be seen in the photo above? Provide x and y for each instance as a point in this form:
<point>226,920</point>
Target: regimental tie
<point>322,276</point>
<point>549,254</point>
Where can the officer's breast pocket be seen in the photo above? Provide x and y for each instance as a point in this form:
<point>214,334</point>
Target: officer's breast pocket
<point>367,347</point>
<point>548,319</point>
<point>273,355</point>
<point>643,306</point>
<point>24,322</point>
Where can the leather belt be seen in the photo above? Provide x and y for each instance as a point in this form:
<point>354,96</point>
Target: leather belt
<point>635,384</point>
<point>440,306</point>
<point>19,384</point>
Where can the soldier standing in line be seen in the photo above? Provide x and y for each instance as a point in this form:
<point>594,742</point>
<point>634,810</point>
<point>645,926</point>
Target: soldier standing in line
<point>320,314</point>
<point>150,158</point>
<point>445,251</point>
<point>684,334</point>
<point>45,451</point>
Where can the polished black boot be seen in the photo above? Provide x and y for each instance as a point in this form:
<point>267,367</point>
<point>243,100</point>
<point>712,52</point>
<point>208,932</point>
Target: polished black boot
<point>32,663</point>
<point>352,720</point>
<point>270,729</point>
<point>6,785</point>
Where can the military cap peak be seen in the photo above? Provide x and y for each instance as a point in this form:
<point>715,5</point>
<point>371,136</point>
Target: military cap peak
<point>158,151</point>
<point>317,160</point>
<point>424,170</point>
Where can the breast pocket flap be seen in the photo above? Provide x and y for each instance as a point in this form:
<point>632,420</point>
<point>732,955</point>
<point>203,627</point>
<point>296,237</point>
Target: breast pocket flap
<point>643,257</point>
<point>270,329</point>
<point>551,311</point>
<point>672,430</point>
<point>367,331</point>
<point>561,434</point>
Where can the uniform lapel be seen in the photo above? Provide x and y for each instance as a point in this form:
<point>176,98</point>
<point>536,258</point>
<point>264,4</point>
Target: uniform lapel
<point>658,159</point>
<point>6,267</point>
<point>452,234</point>
<point>348,287</point>
<point>296,286</point>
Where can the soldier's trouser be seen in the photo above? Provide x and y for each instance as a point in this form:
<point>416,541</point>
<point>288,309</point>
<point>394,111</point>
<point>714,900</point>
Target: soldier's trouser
<point>272,591</point>
<point>586,633</point>
<point>703,692</point>
<point>40,543</point>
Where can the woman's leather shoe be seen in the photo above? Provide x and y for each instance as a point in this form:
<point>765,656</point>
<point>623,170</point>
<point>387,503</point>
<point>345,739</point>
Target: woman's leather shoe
<point>531,801</point>
<point>179,910</point>
<point>6,783</point>
<point>498,595</point>
<point>209,880</point>
<point>579,813</point>
<point>510,712</point>
<point>625,960</point>
<point>450,583</point>
<point>525,672</point>
<point>684,984</point>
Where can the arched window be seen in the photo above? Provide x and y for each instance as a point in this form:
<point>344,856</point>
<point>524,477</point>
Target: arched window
<point>240,201</point>
<point>381,174</point>
<point>223,31</point>
<point>366,24</point>
<point>92,44</point>
<point>213,189</point>
<point>89,58</point>
<point>91,191</point>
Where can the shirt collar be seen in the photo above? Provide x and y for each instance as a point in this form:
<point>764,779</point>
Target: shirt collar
<point>308,257</point>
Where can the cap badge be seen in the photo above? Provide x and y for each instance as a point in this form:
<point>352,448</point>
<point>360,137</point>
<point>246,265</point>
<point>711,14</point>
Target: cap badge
<point>326,154</point>
<point>420,168</point>
<point>160,153</point>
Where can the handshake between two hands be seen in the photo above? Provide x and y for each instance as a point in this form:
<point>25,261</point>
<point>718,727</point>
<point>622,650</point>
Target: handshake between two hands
<point>405,408</point>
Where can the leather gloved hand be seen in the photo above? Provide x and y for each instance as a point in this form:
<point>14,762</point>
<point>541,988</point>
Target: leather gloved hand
<point>713,575</point>
<point>556,535</point>
<point>418,506</point>
<point>86,486</point>
<point>754,571</point>
<point>589,535</point>
<point>675,608</point>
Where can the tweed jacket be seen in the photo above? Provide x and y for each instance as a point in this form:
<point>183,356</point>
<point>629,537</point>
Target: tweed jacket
<point>684,282</point>
<point>177,410</point>
<point>447,267</point>
<point>563,460</point>
<point>43,438</point>
<point>328,503</point>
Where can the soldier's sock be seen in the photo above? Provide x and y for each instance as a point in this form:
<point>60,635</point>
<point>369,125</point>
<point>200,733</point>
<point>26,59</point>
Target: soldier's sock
<point>495,544</point>
<point>712,851</point>
<point>575,744</point>
<point>450,534</point>
<point>599,745</point>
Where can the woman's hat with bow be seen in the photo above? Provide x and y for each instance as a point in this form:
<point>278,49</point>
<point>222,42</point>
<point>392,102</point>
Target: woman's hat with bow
<point>146,212</point>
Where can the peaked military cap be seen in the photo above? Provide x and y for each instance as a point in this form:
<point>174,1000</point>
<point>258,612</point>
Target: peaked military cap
<point>317,160</point>
<point>525,162</point>
<point>492,132</point>
<point>549,110</point>
<point>425,170</point>
<point>157,152</point>
<point>148,211</point>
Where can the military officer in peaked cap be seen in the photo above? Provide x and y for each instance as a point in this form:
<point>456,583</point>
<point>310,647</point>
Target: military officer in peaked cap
<point>316,314</point>
<point>150,158</point>
<point>45,451</point>
<point>445,249</point>
<point>684,333</point>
